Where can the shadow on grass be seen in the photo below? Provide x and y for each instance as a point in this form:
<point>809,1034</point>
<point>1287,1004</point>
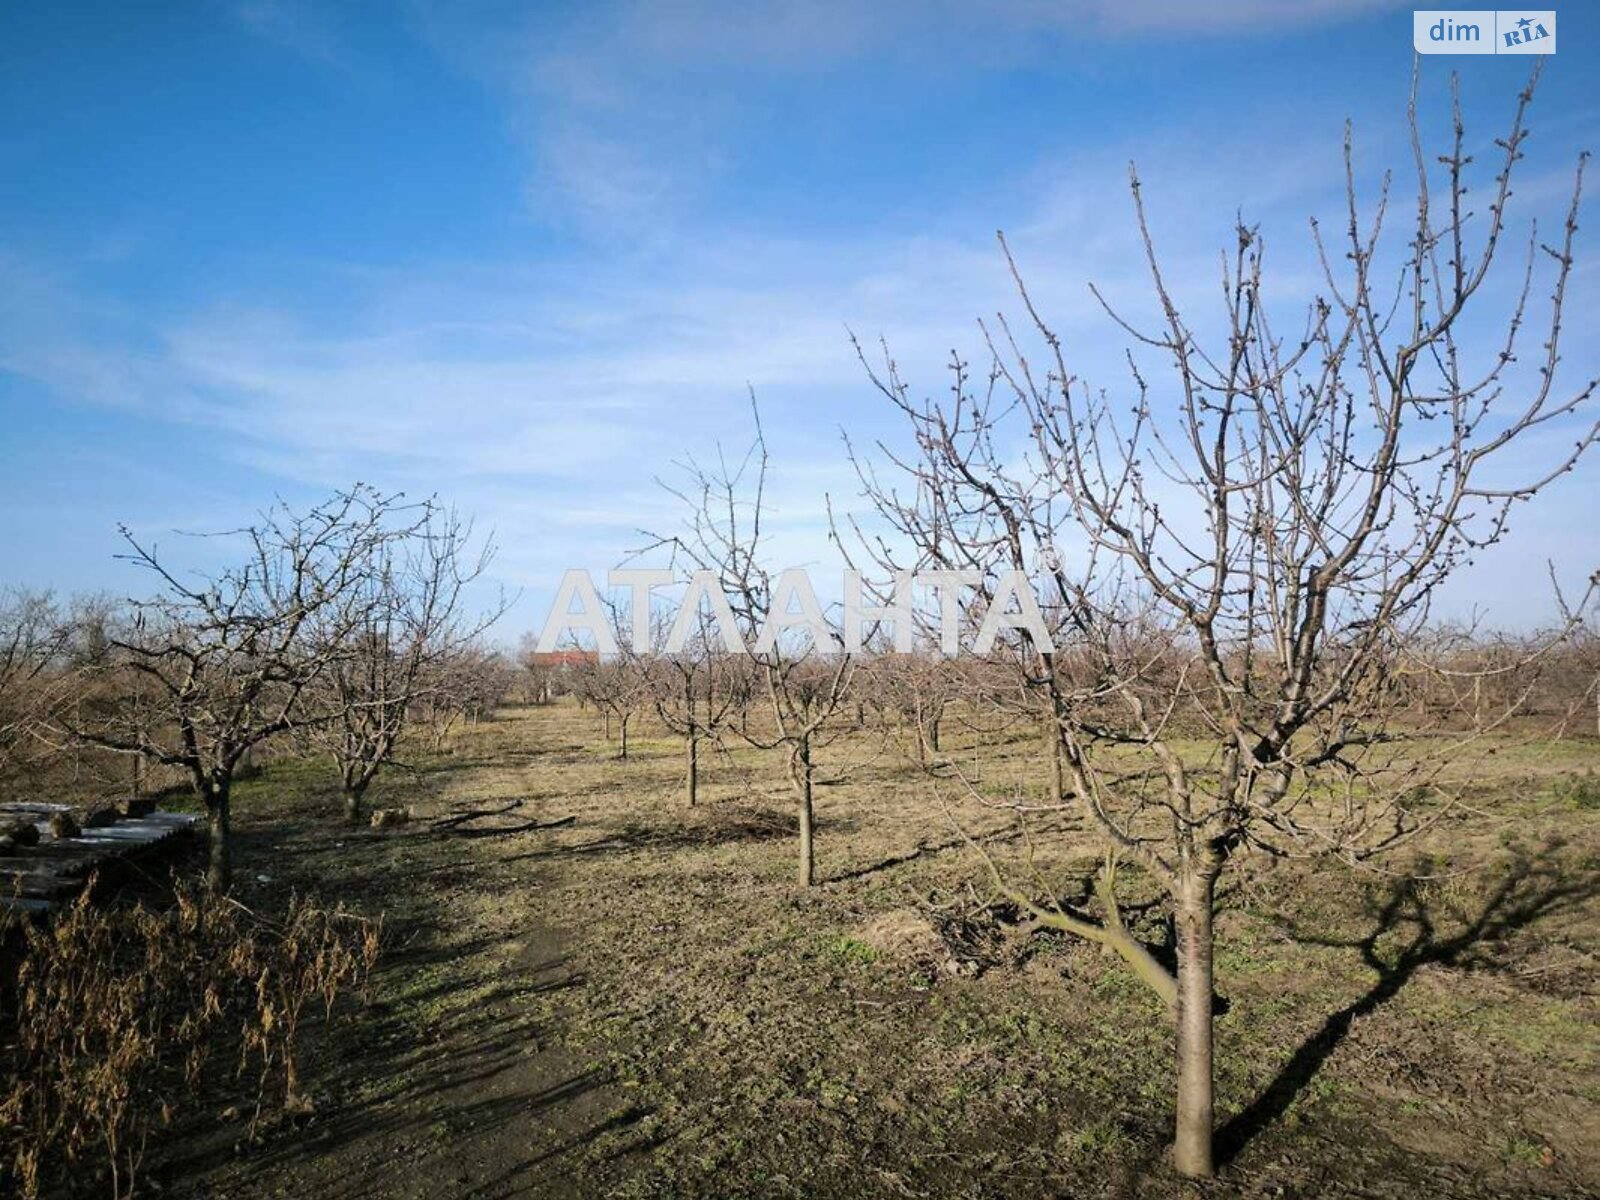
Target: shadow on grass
<point>927,849</point>
<point>1405,938</point>
<point>632,837</point>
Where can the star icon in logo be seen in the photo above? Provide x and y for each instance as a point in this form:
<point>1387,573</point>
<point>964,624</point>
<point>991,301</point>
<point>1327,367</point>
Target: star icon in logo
<point>1524,23</point>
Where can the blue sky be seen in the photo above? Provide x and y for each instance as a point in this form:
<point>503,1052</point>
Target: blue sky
<point>525,255</point>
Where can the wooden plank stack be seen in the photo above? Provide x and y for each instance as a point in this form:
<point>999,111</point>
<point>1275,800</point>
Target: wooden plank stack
<point>34,877</point>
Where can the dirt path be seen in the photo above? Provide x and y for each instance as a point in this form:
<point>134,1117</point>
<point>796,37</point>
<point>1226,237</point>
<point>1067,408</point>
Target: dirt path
<point>507,1100</point>
<point>459,1081</point>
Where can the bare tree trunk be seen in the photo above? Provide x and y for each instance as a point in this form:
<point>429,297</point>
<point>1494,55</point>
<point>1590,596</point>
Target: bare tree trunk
<point>622,723</point>
<point>219,869</point>
<point>1058,780</point>
<point>808,870</point>
<point>352,804</point>
<point>933,735</point>
<point>691,774</point>
<point>1191,1149</point>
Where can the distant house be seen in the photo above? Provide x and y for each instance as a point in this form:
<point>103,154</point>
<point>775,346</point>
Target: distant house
<point>551,674</point>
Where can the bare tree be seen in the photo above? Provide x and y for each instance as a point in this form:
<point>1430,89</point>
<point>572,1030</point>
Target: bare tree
<point>463,686</point>
<point>915,688</point>
<point>619,688</point>
<point>1251,549</point>
<point>392,646</point>
<point>696,692</point>
<point>973,515</point>
<point>33,636</point>
<point>804,679</point>
<point>228,657</point>
<point>1576,690</point>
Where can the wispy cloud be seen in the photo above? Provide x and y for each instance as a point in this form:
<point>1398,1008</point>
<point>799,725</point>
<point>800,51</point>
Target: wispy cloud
<point>303,28</point>
<point>625,106</point>
<point>1221,17</point>
<point>546,395</point>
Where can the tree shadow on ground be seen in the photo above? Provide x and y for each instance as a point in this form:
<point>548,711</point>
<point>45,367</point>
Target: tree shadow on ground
<point>634,836</point>
<point>411,1075</point>
<point>926,849</point>
<point>1405,937</point>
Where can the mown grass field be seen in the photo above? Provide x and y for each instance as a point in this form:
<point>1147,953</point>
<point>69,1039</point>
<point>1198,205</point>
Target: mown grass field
<point>641,1002</point>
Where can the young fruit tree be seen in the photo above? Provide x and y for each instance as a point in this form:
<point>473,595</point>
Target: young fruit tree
<point>392,648</point>
<point>1243,546</point>
<point>228,659</point>
<point>696,692</point>
<point>462,688</point>
<point>618,688</point>
<point>794,653</point>
<point>917,689</point>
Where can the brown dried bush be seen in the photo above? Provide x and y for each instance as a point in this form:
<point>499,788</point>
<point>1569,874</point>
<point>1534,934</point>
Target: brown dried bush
<point>110,1015</point>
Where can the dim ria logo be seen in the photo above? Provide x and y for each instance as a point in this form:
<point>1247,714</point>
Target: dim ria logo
<point>1484,31</point>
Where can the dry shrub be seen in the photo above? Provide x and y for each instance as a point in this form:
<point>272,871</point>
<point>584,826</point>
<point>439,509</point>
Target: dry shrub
<point>314,955</point>
<point>111,1014</point>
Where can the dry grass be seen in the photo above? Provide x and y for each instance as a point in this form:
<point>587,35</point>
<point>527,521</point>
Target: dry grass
<point>112,1014</point>
<point>640,1003</point>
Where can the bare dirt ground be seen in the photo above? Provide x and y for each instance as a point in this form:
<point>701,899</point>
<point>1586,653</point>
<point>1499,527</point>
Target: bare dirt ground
<point>640,1002</point>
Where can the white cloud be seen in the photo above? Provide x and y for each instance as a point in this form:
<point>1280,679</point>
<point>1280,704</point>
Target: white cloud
<point>547,397</point>
<point>299,27</point>
<point>624,107</point>
<point>1216,17</point>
